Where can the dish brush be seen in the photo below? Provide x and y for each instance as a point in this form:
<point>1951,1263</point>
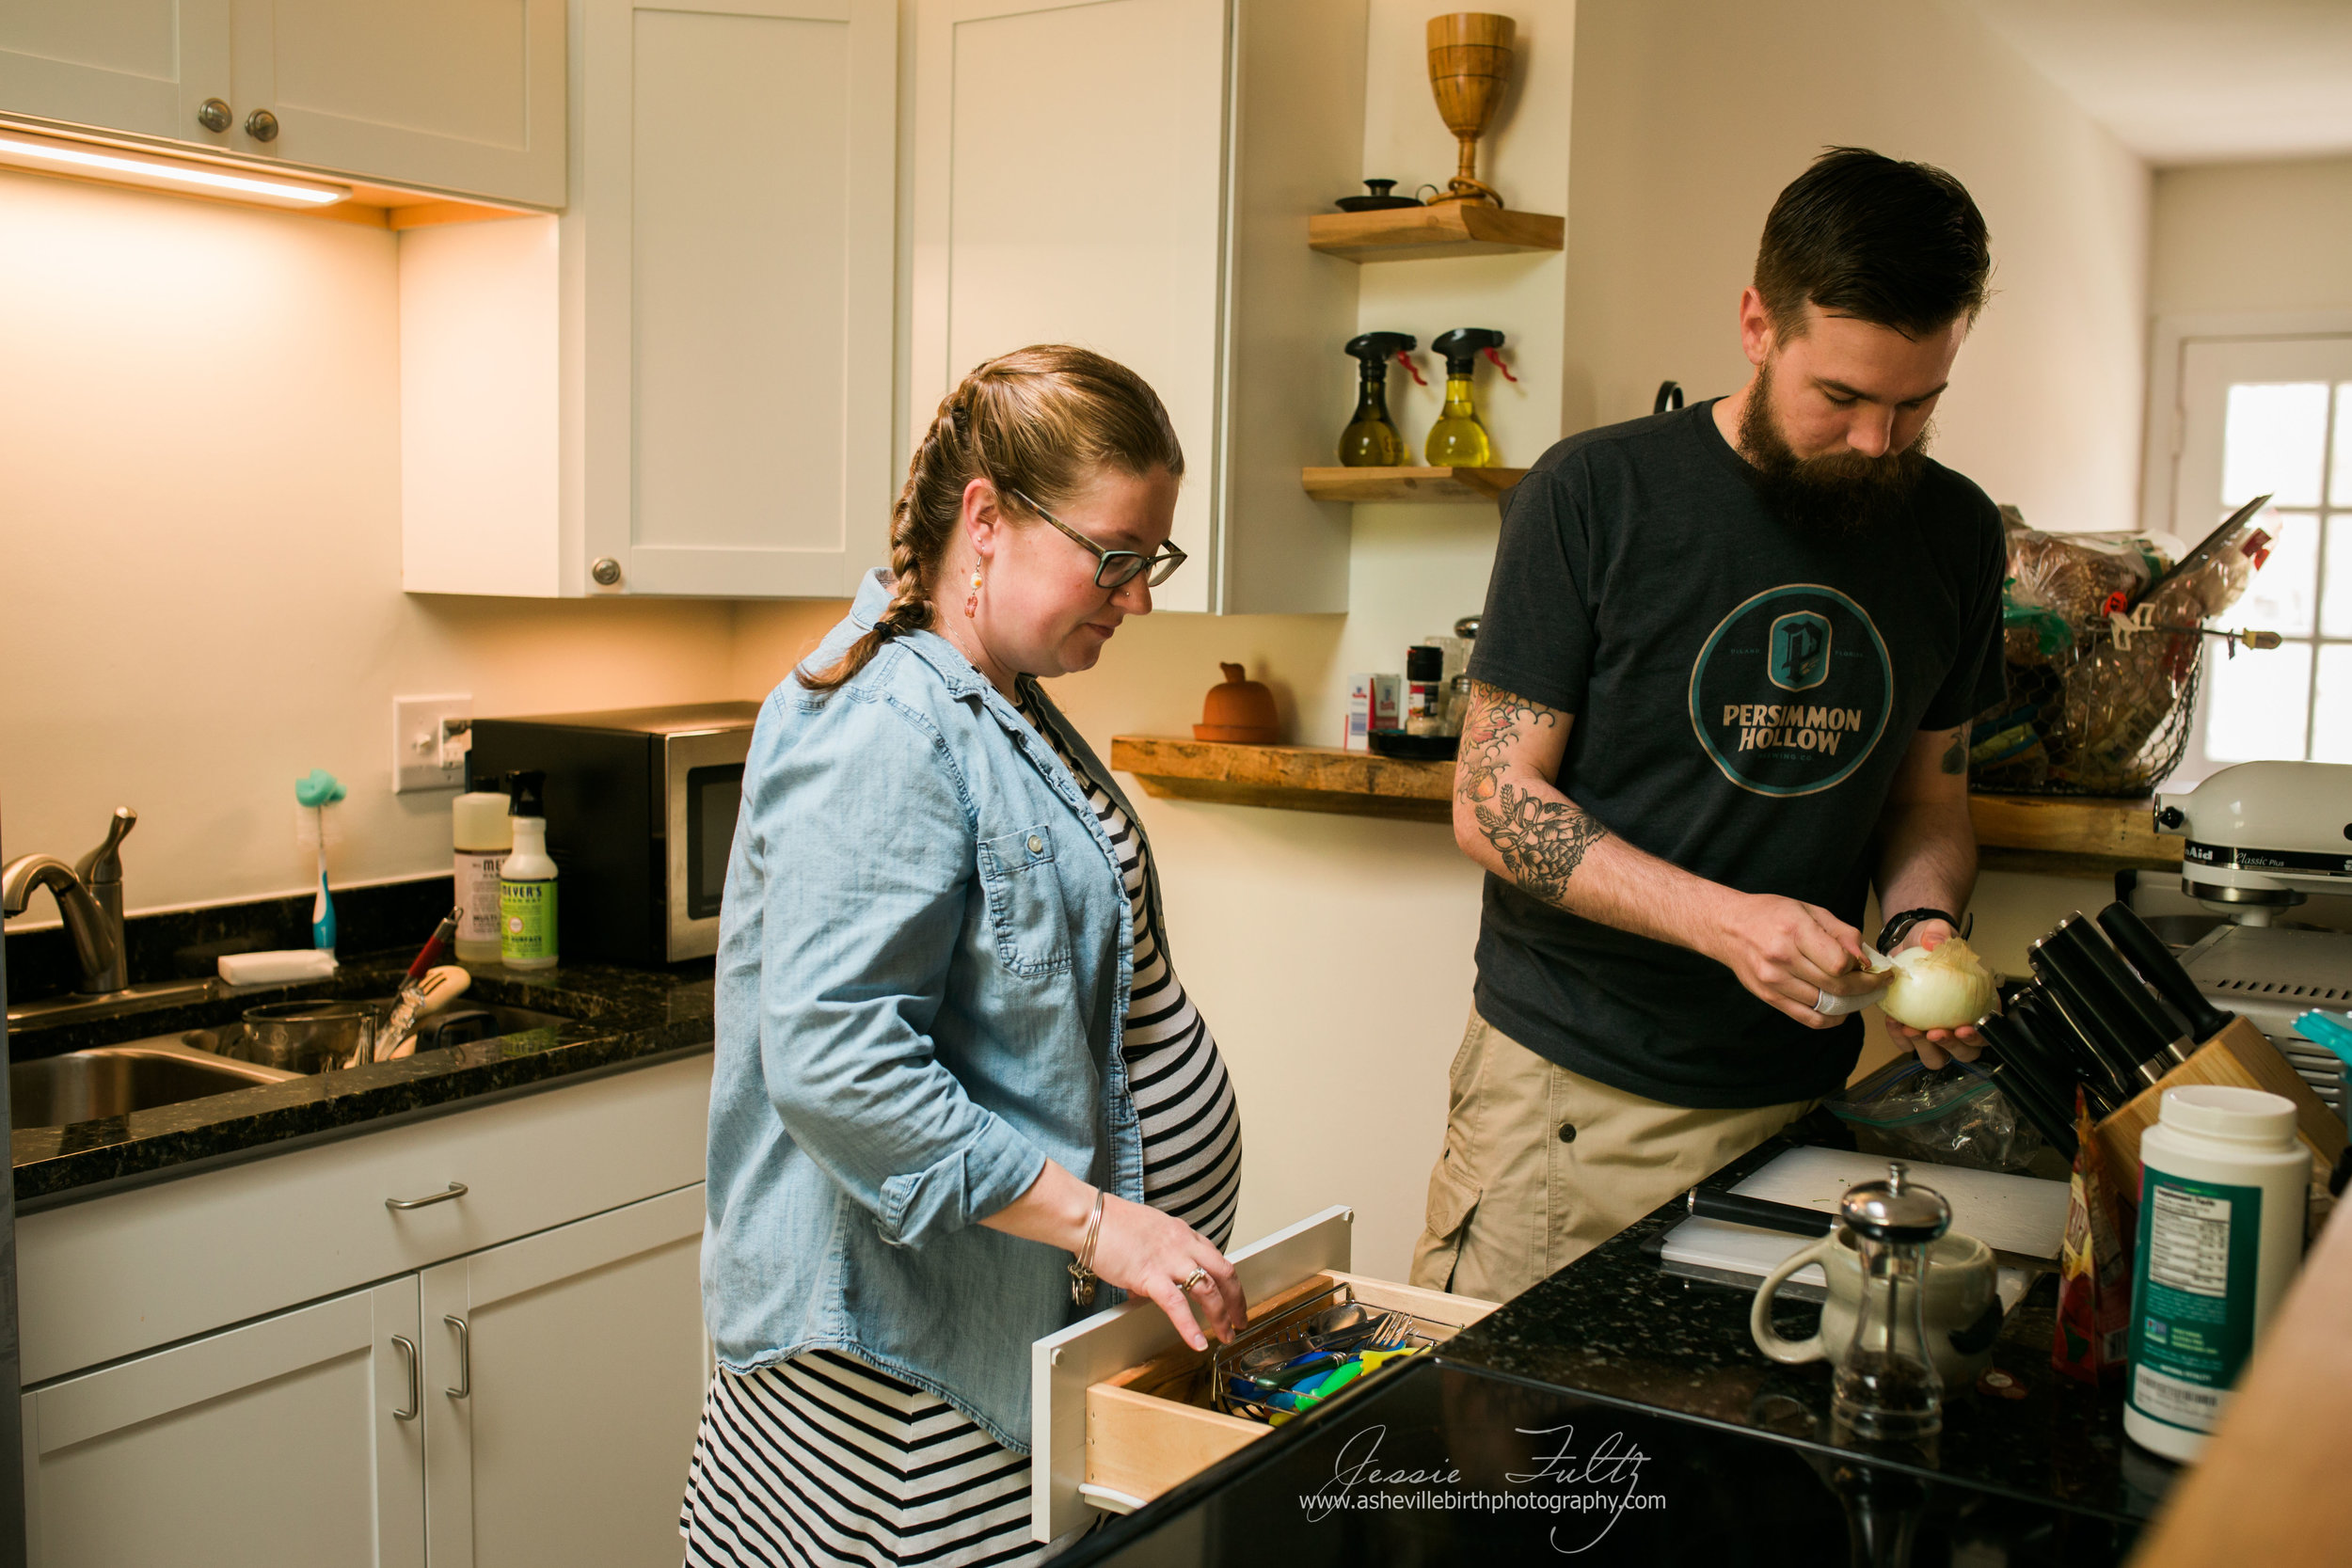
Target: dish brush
<point>316,791</point>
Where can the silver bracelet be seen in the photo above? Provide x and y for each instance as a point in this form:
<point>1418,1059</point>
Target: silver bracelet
<point>1082,1266</point>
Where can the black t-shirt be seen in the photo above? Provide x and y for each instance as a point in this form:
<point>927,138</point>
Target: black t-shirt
<point>1744,690</point>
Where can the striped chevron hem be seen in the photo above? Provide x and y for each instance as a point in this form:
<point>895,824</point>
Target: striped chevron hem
<point>825,1460</point>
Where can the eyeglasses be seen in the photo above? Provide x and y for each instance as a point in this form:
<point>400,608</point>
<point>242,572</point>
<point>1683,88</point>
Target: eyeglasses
<point>1116,568</point>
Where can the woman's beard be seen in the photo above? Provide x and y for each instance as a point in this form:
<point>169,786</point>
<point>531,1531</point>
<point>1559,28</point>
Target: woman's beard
<point>1845,493</point>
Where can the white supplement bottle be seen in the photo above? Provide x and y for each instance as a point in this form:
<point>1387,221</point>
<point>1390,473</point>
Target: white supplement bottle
<point>2222,1206</point>
<point>480,838</point>
<point>527,881</point>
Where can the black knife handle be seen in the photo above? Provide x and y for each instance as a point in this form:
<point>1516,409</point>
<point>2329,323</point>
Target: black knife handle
<point>2160,968</point>
<point>2049,1063</point>
<point>2023,1090</point>
<point>2053,971</point>
<point>2137,1013</point>
<point>1763,1211</point>
<point>2063,1048</point>
<point>2023,1075</point>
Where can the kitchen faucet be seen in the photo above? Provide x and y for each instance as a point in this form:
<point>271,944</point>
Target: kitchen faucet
<point>90,898</point>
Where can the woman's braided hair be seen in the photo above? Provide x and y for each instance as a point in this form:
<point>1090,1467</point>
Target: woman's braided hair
<point>1044,420</point>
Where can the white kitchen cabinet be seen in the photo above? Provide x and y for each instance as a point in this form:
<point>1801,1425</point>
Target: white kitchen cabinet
<point>458,95</point>
<point>564,1375</point>
<point>207,1385</point>
<point>296,1439</point>
<point>1135,176</point>
<point>142,66</point>
<point>685,388</point>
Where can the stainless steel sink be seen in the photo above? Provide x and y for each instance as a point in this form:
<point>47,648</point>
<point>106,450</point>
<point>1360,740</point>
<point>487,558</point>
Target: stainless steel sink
<point>116,1080</point>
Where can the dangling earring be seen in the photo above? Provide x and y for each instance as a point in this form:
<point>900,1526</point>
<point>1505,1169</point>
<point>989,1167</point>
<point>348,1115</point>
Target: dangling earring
<point>972,600</point>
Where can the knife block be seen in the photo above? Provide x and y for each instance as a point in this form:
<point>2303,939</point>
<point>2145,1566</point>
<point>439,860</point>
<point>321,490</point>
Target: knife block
<point>2240,1056</point>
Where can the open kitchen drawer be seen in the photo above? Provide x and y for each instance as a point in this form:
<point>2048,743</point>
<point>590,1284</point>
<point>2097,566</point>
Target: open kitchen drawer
<point>1120,1408</point>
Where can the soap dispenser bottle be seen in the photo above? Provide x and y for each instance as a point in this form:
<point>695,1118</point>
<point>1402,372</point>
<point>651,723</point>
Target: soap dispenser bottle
<point>527,879</point>
<point>1458,439</point>
<point>1371,438</point>
<point>481,836</point>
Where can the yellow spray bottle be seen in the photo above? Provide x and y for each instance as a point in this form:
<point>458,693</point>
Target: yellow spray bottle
<point>1458,439</point>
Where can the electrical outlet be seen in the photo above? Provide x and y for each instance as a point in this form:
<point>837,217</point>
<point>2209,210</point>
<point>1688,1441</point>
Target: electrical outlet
<point>430,736</point>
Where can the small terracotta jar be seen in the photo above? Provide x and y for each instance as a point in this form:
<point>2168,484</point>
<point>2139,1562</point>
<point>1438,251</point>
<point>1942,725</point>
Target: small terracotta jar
<point>1239,710</point>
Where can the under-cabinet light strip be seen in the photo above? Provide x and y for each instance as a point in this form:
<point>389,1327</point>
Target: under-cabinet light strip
<point>53,156</point>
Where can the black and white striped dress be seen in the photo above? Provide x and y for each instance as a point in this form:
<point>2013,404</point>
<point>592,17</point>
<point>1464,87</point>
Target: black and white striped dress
<point>823,1458</point>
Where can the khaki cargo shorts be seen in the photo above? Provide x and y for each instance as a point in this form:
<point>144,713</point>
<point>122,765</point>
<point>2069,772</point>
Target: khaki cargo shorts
<point>1541,1166</point>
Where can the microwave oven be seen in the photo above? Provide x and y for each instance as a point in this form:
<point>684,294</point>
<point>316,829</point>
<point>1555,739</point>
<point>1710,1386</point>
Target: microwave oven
<point>641,808</point>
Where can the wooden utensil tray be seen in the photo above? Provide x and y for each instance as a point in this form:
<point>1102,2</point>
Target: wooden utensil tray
<point>2240,1056</point>
<point>1155,1425</point>
<point>1120,1408</point>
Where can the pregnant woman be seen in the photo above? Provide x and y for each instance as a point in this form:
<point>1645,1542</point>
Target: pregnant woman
<point>958,1080</point>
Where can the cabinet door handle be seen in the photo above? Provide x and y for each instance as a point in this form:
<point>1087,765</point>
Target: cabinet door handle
<point>456,1189</point>
<point>465,1359</point>
<point>409,1346</point>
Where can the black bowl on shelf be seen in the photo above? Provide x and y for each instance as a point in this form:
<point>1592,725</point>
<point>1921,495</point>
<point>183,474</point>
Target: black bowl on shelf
<point>1380,200</point>
<point>1407,747</point>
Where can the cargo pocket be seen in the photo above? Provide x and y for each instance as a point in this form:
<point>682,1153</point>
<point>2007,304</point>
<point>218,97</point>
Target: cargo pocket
<point>1452,1199</point>
<point>1025,902</point>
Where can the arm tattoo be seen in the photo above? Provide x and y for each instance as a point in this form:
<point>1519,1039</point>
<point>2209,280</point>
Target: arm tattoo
<point>1541,842</point>
<point>1497,720</point>
<point>1956,754</point>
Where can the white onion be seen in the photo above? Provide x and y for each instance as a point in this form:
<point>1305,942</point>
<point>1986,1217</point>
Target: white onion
<point>1938,988</point>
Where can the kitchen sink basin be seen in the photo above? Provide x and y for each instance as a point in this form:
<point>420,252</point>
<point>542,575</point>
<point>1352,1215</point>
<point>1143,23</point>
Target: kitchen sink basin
<point>116,1080</point>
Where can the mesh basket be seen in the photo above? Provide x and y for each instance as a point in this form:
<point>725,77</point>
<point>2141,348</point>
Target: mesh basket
<point>2101,717</point>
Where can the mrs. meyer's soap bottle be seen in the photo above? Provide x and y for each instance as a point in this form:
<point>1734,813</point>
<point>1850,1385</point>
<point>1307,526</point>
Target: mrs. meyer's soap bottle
<point>527,881</point>
<point>479,837</point>
<point>2222,1207</point>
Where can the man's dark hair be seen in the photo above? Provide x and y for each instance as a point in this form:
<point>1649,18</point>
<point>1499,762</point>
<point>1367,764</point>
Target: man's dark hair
<point>1898,245</point>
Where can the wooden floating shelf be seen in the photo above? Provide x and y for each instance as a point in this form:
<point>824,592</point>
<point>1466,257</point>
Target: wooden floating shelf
<point>1425,234</point>
<point>2045,835</point>
<point>1409,484</point>
<point>1287,777</point>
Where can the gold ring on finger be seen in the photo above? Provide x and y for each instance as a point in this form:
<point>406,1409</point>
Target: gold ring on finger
<point>1193,1280</point>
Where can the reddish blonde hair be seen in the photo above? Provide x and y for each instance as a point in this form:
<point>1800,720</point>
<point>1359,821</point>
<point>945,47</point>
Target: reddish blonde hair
<point>1044,420</point>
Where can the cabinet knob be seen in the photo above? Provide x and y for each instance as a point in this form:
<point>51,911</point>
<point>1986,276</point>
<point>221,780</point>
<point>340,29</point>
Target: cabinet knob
<point>213,114</point>
<point>607,571</point>
<point>261,125</point>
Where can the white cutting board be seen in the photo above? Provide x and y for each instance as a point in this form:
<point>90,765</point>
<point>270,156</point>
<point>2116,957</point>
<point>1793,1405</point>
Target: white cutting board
<point>2013,1213</point>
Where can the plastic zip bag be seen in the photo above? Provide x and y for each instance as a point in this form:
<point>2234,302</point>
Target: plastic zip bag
<point>1952,1115</point>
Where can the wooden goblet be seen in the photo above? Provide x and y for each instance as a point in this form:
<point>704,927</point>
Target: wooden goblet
<point>1469,60</point>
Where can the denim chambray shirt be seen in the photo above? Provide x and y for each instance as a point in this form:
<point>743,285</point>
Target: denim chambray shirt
<point>924,960</point>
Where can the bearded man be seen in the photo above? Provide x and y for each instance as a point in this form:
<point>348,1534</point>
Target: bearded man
<point>1721,688</point>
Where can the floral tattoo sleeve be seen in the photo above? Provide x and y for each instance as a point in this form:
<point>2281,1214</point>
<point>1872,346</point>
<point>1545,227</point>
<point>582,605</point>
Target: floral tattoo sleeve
<point>1540,842</point>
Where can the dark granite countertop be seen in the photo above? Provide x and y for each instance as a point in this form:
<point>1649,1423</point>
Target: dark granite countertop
<point>613,1019</point>
<point>1437,1462</point>
<point>1615,1325</point>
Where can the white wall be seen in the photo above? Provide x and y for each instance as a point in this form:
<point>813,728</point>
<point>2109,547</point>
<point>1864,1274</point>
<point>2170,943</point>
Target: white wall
<point>1691,116</point>
<point>199,552</point>
<point>2244,237</point>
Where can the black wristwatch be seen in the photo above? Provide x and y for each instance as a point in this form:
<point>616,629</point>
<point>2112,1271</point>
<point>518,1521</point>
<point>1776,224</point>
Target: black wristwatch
<point>1892,932</point>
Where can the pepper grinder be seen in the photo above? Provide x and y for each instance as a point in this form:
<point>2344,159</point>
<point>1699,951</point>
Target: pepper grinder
<point>1886,1385</point>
